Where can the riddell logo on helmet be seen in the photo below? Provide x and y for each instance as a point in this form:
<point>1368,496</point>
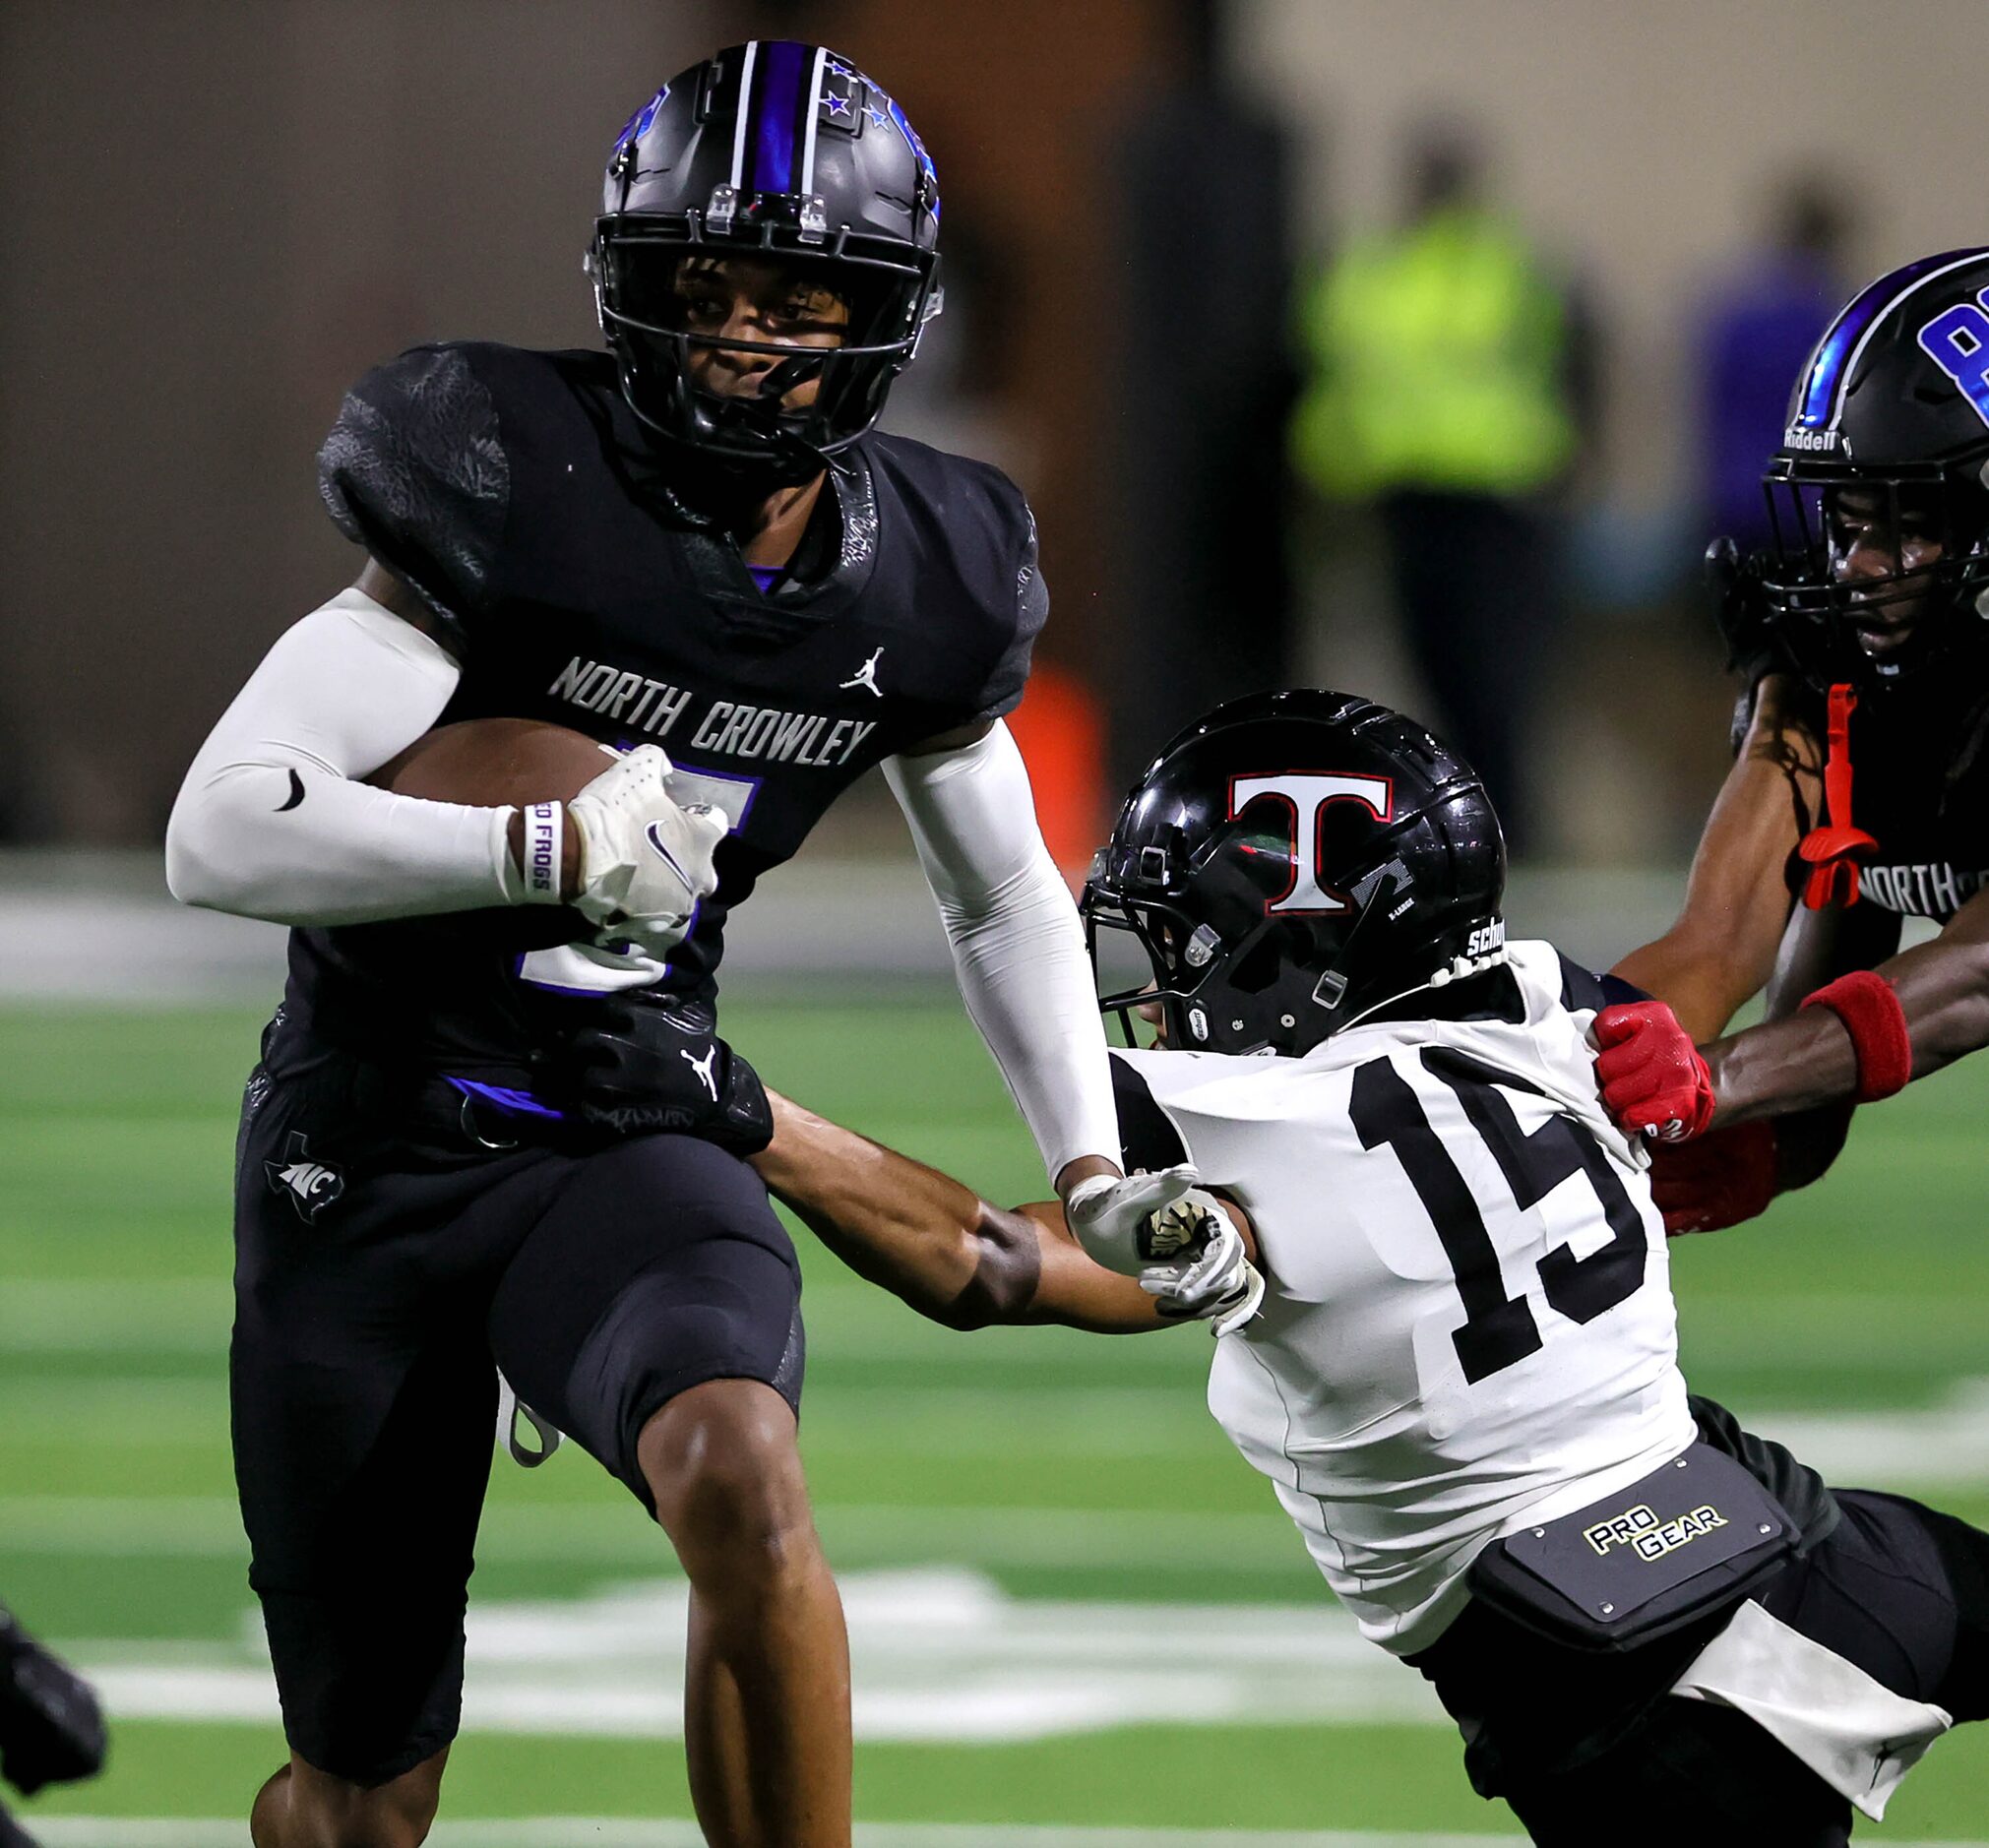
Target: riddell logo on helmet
<point>1796,437</point>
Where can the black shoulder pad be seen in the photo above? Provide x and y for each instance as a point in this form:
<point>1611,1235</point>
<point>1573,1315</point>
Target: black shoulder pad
<point>1004,682</point>
<point>973,539</point>
<point>1581,988</point>
<point>1147,1138</point>
<point>414,471</point>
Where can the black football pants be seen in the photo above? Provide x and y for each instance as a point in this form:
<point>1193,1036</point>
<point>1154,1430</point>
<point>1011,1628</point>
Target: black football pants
<point>377,1279</point>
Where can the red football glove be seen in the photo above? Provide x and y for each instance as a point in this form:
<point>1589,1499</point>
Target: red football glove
<point>1651,1076</point>
<point>1718,1181</point>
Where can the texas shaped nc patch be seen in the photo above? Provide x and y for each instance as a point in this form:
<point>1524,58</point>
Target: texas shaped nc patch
<point>311,1185</point>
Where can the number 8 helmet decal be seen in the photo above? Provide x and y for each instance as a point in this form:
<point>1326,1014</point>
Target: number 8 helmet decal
<point>1290,863</point>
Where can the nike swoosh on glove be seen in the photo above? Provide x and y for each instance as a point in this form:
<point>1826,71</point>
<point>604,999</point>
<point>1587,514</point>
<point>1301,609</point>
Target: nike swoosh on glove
<point>644,858</point>
<point>1651,1074</point>
<point>1215,1281</point>
<point>1716,1181</point>
<point>1109,1214</point>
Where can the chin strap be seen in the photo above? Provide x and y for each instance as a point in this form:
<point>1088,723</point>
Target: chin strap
<point>1833,848</point>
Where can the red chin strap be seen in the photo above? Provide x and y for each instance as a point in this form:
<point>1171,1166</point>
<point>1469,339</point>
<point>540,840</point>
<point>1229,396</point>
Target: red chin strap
<point>1833,848</point>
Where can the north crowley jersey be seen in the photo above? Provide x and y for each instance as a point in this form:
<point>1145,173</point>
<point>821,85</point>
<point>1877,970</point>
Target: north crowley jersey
<point>1920,787</point>
<point>515,491</point>
<point>1470,1324</point>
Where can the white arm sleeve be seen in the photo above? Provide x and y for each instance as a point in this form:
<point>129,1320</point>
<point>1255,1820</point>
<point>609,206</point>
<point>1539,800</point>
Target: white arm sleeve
<point>269,822</point>
<point>1018,946</point>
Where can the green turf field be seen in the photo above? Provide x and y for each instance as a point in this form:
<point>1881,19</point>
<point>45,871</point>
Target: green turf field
<point>1024,1519</point>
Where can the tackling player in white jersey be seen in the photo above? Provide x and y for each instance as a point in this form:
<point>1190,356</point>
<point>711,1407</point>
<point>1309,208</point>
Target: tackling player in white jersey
<point>1457,1363</point>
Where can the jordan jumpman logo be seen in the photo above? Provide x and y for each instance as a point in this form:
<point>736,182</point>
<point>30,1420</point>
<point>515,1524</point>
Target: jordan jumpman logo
<point>866,675</point>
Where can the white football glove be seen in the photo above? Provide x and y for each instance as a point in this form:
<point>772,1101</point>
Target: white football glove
<point>1213,1280</point>
<point>644,858</point>
<point>1109,1215</point>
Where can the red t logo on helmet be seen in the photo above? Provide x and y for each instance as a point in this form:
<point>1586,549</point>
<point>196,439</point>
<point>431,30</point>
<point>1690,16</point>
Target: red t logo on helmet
<point>1308,794</point>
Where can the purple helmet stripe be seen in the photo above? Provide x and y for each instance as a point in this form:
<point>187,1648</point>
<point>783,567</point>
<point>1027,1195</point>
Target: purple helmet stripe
<point>1830,365</point>
<point>778,105</point>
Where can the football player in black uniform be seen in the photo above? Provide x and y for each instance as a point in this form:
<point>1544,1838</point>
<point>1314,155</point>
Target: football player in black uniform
<point>1863,635</point>
<point>1651,1626</point>
<point>694,548</point>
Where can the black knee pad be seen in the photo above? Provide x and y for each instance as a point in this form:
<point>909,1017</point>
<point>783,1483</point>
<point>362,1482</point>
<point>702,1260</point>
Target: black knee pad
<point>659,1266</point>
<point>725,1318</point>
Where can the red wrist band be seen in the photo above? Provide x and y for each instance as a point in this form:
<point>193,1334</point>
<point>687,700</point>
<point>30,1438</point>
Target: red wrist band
<point>1870,1013</point>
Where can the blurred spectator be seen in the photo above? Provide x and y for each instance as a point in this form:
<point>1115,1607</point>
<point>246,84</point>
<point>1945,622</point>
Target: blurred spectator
<point>1755,331</point>
<point>1200,221</point>
<point>1448,390</point>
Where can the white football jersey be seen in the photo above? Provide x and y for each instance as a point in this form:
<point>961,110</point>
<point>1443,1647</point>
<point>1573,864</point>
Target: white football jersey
<point>1469,1325</point>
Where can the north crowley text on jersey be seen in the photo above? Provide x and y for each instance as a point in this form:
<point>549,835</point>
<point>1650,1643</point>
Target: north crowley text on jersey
<point>728,728</point>
<point>1932,888</point>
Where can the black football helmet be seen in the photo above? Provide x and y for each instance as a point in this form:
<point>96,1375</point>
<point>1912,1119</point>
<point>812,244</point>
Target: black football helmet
<point>768,147</point>
<point>1292,862</point>
<point>1887,431</point>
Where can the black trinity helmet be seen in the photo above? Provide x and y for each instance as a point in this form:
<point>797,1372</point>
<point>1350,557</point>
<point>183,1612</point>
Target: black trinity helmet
<point>770,149</point>
<point>1292,862</point>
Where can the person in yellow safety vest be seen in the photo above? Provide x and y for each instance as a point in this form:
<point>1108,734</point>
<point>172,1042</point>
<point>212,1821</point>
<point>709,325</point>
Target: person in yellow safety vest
<point>1440,362</point>
<point>1438,352</point>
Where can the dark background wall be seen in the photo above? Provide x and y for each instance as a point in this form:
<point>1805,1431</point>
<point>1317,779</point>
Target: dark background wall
<point>215,214</point>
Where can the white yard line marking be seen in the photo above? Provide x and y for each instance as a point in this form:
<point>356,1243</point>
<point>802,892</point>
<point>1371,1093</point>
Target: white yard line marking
<point>938,1655</point>
<point>1947,1445</point>
<point>616,1831</point>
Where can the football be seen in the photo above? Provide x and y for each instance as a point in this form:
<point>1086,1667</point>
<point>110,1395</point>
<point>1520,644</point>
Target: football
<point>494,763</point>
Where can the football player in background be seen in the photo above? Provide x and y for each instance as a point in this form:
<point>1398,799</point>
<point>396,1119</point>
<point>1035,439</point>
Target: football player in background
<point>1861,632</point>
<point>1463,1381</point>
<point>51,1728</point>
<point>692,548</point>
